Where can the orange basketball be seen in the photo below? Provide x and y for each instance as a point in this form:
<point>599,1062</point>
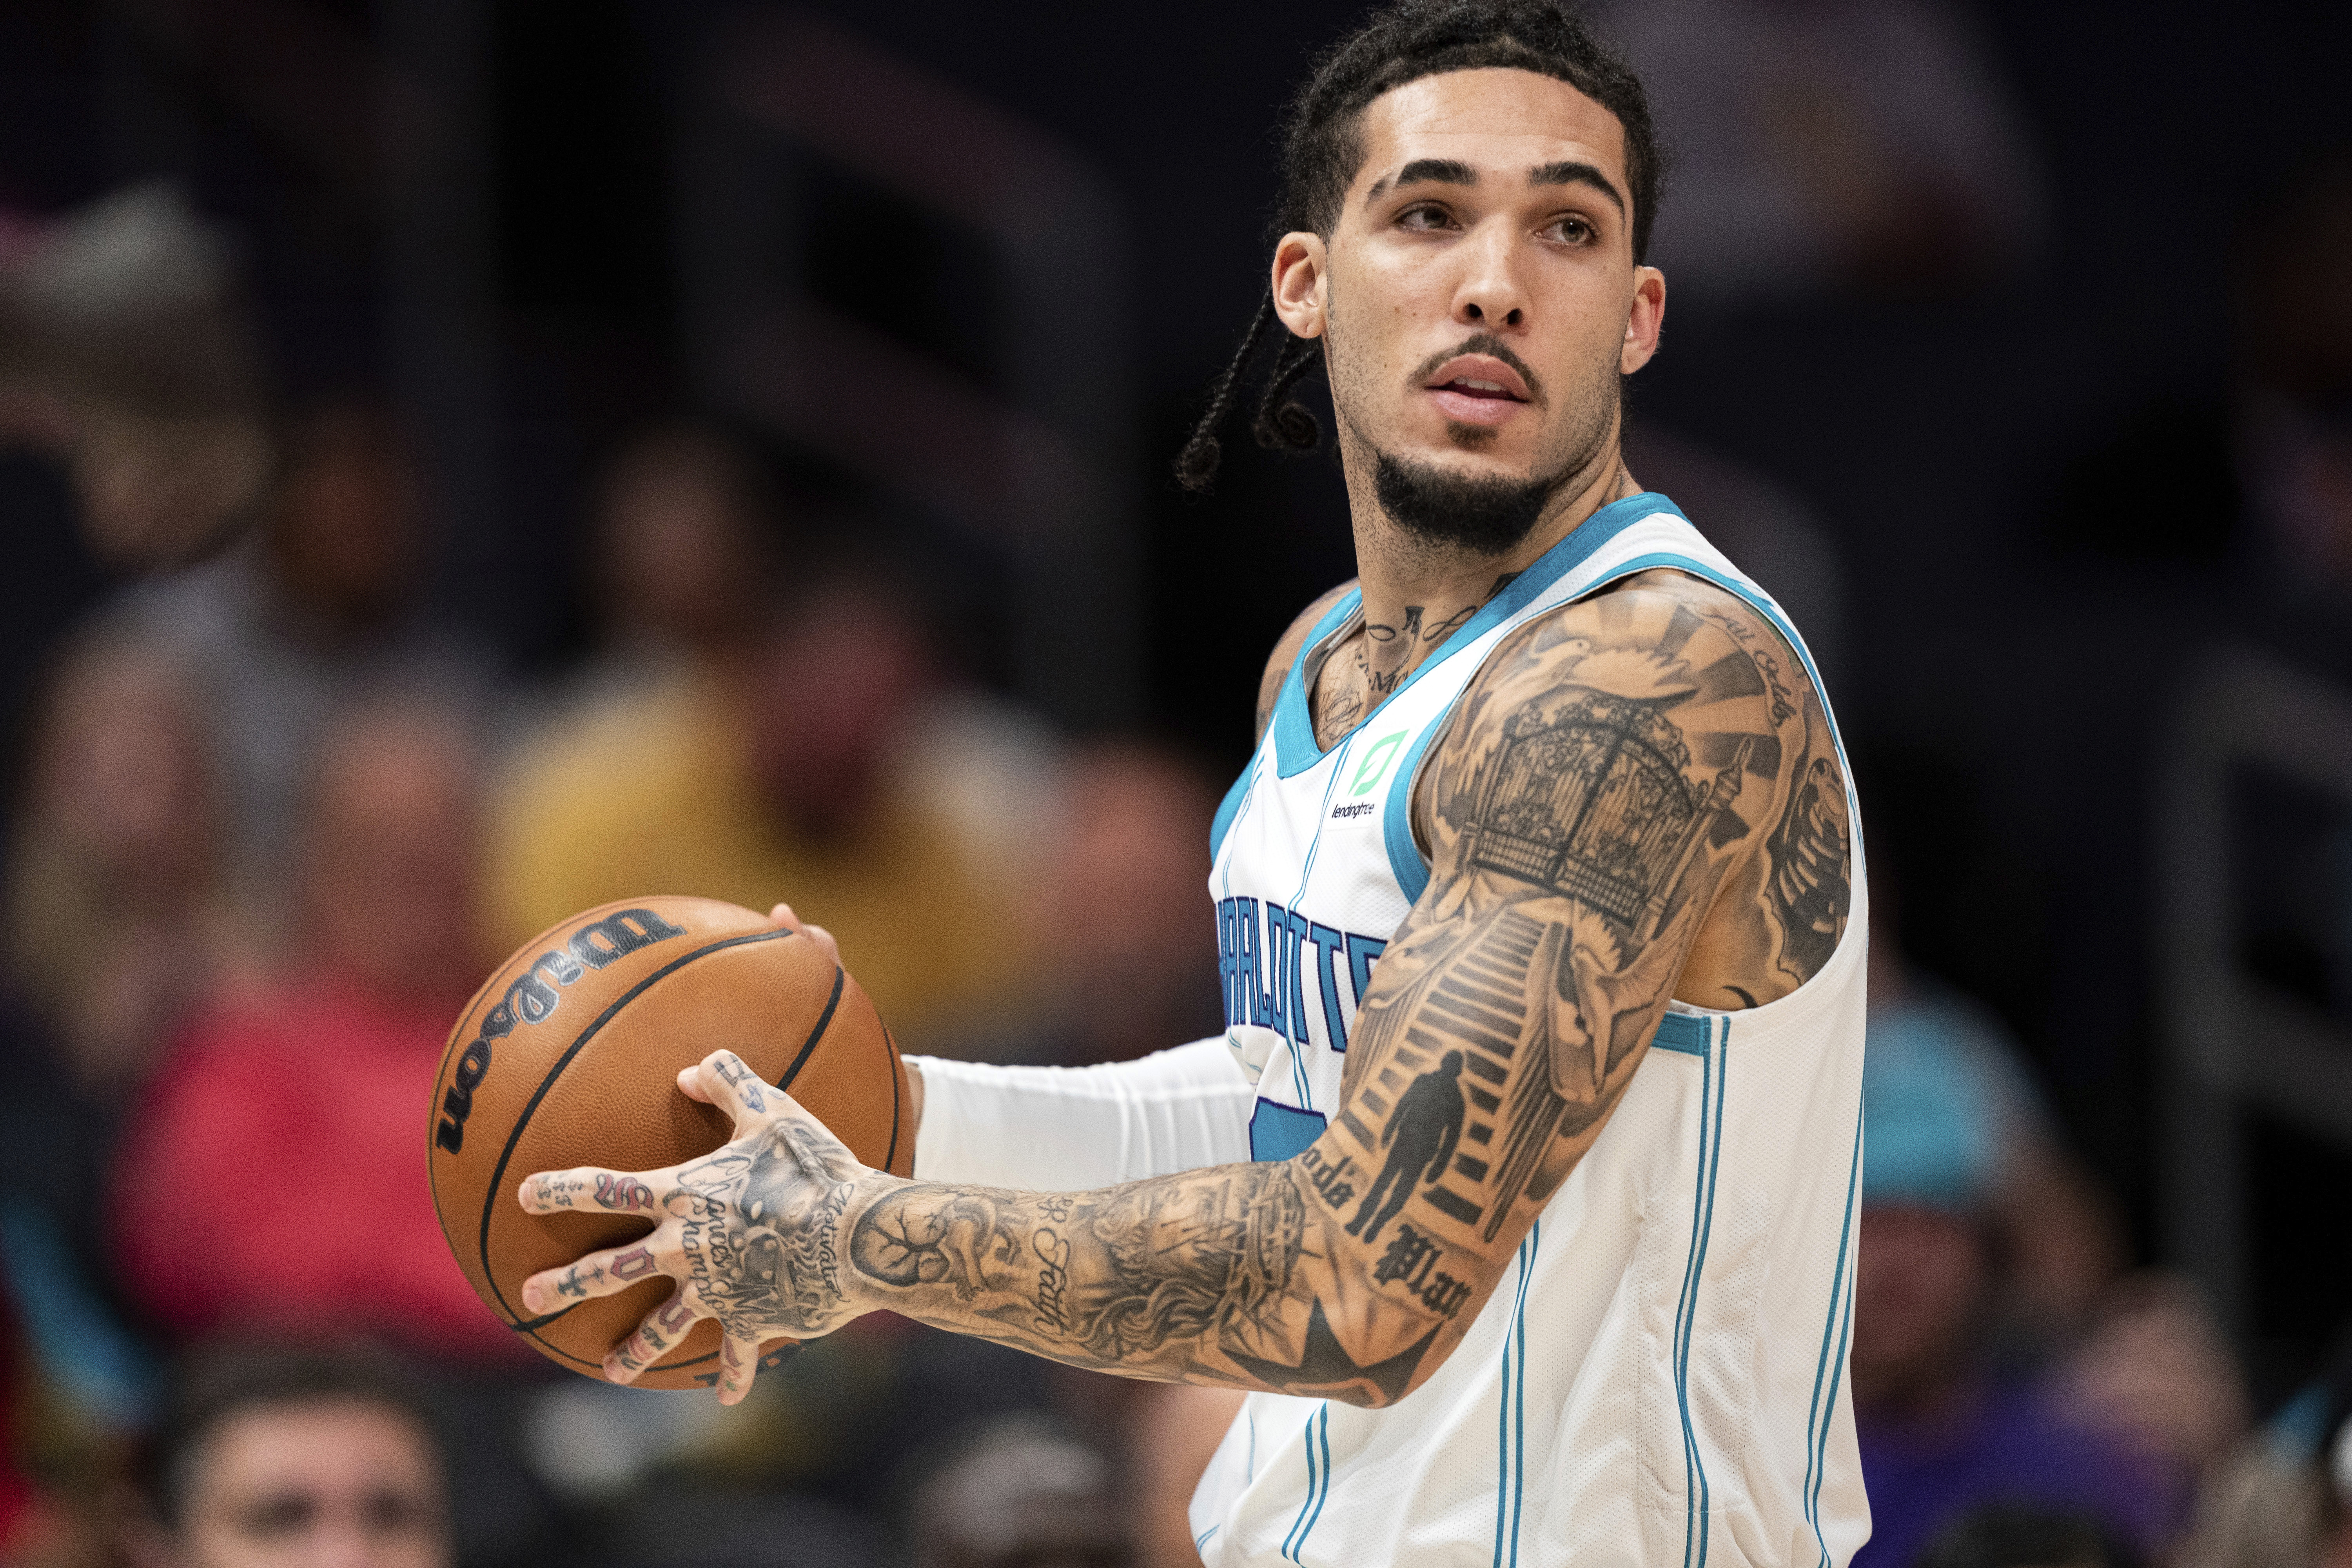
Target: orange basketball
<point>570,1055</point>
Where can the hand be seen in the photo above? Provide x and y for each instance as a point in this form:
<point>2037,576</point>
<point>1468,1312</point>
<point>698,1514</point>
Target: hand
<point>753,1234</point>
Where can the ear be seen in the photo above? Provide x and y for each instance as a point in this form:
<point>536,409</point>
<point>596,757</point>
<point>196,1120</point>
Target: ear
<point>1299,296</point>
<point>1644,322</point>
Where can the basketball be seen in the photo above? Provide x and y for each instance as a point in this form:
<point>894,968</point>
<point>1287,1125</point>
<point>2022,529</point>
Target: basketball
<point>570,1055</point>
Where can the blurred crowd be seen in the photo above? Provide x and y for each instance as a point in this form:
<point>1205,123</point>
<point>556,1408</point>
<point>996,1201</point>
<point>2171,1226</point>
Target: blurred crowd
<point>271,819</point>
<point>274,824</point>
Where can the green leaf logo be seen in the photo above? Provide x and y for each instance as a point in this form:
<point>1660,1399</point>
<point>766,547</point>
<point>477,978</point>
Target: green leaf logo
<point>1376,763</point>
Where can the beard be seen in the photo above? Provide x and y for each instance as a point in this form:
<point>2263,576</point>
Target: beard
<point>1486,514</point>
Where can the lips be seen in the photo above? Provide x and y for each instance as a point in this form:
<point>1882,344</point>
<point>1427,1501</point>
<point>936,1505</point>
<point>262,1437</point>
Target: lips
<point>1477,389</point>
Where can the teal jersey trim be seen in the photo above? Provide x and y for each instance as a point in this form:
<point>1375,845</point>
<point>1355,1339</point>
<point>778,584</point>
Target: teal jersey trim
<point>1295,750</point>
<point>1405,863</point>
<point>1511,1422</point>
<point>1817,1429</point>
<point>1682,1031</point>
<point>1318,1483</point>
<point>1696,1512</point>
<point>1323,1440</point>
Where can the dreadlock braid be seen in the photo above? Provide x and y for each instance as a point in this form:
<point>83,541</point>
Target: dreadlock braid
<point>1282,424</point>
<point>1196,465</point>
<point>1323,151</point>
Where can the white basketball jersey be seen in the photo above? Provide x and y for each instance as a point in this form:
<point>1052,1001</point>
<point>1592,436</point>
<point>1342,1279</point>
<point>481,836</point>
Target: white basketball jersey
<point>1659,1377</point>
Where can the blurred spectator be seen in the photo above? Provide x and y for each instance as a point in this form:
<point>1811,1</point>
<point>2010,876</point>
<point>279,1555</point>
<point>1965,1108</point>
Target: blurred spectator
<point>295,1459</point>
<point>1941,1429</point>
<point>318,609</point>
<point>2003,1537</point>
<point>289,1119</point>
<point>2054,1238</point>
<point>2153,1368</point>
<point>125,349</point>
<point>1117,892</point>
<point>681,550</point>
<point>2284,1498</point>
<point>1826,144</point>
<point>812,770</point>
<point>1021,1497</point>
<point>115,921</point>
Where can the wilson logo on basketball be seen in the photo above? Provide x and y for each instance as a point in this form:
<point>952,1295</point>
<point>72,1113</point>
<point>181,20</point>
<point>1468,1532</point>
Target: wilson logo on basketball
<point>534,996</point>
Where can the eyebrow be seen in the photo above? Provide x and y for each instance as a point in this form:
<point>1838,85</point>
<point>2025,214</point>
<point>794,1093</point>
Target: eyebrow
<point>1575,173</point>
<point>1440,171</point>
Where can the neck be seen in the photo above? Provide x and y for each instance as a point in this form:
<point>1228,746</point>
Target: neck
<point>1417,590</point>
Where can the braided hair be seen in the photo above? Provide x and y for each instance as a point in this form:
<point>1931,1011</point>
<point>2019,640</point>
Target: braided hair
<point>1323,148</point>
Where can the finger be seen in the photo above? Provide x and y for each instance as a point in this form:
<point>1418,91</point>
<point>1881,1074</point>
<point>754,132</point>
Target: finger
<point>603,1273</point>
<point>658,1333</point>
<point>739,1364</point>
<point>728,1082</point>
<point>597,1191</point>
<point>782,915</point>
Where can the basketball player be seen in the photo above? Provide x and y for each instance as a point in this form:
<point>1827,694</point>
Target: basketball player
<point>1519,1193</point>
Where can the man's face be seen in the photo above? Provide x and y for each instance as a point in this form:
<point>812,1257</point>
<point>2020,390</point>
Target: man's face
<point>1920,1279</point>
<point>1478,289</point>
<point>339,1485</point>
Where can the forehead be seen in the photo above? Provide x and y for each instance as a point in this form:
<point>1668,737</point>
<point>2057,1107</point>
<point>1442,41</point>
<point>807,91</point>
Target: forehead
<point>1493,118</point>
<point>326,1445</point>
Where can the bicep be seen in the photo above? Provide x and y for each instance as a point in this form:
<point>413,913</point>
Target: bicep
<point>1605,774</point>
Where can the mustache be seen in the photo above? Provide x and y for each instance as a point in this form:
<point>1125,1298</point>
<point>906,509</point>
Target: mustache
<point>1486,343</point>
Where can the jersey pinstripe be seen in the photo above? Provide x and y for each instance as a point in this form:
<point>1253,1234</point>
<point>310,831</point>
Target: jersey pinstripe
<point>1660,1379</point>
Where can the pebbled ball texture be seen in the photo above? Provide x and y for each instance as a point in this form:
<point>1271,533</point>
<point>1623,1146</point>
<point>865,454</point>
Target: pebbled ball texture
<point>569,1056</point>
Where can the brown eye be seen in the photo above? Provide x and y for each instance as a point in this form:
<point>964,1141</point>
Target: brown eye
<point>1574,231</point>
<point>1424,218</point>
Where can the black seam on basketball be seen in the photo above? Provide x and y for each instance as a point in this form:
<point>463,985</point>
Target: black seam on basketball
<point>530,1108</point>
<point>890,1054</point>
<point>464,1029</point>
<point>823,1020</point>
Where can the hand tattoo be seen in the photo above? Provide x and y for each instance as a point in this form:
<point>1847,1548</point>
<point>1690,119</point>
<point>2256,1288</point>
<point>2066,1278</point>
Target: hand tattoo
<point>757,1225</point>
<point>625,1193</point>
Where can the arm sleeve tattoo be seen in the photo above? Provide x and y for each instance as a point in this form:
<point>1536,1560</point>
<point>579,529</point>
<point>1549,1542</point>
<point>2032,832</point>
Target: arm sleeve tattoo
<point>1638,798</point>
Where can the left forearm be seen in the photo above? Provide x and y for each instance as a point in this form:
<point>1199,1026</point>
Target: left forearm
<point>1240,1274</point>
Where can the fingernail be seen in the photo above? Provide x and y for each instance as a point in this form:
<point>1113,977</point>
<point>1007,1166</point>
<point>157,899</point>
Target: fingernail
<point>531,1297</point>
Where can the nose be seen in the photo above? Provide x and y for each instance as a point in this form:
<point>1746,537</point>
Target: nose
<point>1490,295</point>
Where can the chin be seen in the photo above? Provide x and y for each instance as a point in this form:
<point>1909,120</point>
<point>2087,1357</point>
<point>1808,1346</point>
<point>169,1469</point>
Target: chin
<point>1471,453</point>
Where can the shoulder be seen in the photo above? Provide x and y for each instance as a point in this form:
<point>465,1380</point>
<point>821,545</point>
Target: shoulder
<point>1287,649</point>
<point>1665,677</point>
<point>1680,645</point>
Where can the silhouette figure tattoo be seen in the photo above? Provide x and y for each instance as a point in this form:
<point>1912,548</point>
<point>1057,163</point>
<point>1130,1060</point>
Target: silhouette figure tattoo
<point>1421,1137</point>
